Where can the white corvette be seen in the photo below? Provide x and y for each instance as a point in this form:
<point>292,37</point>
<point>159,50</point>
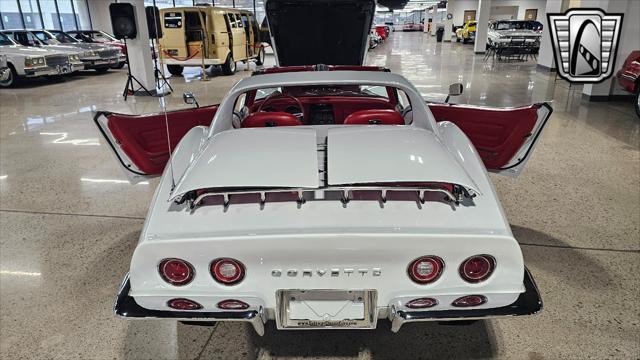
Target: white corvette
<point>326,197</point>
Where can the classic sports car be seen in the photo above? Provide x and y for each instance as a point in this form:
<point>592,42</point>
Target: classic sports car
<point>629,77</point>
<point>326,197</point>
<point>467,32</point>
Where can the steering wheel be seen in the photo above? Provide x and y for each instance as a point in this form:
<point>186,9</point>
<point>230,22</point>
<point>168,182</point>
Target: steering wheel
<point>278,95</point>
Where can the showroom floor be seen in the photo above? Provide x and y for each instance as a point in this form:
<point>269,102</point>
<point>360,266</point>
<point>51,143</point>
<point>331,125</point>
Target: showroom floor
<point>69,222</point>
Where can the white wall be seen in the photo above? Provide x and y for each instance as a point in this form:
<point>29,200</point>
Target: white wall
<point>459,9</point>
<point>100,18</point>
<point>523,5</point>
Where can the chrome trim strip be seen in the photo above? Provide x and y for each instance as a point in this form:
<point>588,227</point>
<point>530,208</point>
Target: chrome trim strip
<point>346,191</point>
<point>125,306</point>
<point>528,303</point>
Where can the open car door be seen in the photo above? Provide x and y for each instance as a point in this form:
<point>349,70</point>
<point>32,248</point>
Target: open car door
<point>504,138</point>
<point>140,141</point>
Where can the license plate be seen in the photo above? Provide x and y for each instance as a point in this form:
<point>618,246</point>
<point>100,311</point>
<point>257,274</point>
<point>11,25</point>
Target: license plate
<point>326,309</point>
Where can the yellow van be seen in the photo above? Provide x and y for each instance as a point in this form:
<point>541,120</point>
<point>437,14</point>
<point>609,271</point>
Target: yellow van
<point>221,35</point>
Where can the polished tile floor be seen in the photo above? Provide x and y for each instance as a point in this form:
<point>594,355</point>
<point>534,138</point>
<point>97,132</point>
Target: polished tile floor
<point>69,222</point>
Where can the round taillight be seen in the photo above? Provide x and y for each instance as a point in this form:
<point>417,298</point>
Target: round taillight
<point>477,268</point>
<point>183,304</point>
<point>232,305</point>
<point>227,271</point>
<point>469,300</point>
<point>426,269</point>
<point>421,303</point>
<point>176,272</point>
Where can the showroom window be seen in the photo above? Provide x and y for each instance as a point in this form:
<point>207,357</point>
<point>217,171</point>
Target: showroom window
<point>48,14</point>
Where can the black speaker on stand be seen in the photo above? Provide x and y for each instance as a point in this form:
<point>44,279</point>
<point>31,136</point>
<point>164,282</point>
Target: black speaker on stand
<point>123,22</point>
<point>155,32</point>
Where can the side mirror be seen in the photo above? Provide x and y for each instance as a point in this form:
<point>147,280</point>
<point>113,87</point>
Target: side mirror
<point>454,90</point>
<point>190,99</point>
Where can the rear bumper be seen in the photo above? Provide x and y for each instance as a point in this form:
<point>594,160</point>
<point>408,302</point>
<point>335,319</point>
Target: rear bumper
<point>528,303</point>
<point>127,307</point>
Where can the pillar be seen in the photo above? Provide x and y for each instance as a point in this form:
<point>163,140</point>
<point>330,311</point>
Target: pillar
<point>484,8</point>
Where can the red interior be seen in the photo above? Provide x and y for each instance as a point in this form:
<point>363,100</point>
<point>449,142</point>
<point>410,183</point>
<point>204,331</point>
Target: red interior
<point>144,137</point>
<point>343,106</point>
<point>496,134</point>
<point>270,119</point>
<point>375,117</point>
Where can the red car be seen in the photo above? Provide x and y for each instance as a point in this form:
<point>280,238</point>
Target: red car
<point>383,31</point>
<point>629,77</point>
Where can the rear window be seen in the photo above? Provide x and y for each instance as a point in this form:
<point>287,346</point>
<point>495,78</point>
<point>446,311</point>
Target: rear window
<point>173,20</point>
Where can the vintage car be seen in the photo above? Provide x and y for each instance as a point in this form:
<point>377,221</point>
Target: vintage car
<point>206,35</point>
<point>383,31</point>
<point>374,39</point>
<point>629,77</point>
<point>27,62</point>
<point>5,72</point>
<point>98,57</point>
<point>101,37</point>
<point>28,38</point>
<point>466,33</point>
<point>326,197</point>
<point>412,26</point>
<point>513,33</point>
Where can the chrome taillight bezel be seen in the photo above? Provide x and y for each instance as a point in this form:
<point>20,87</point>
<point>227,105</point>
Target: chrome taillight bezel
<point>243,305</point>
<point>214,271</point>
<point>411,303</point>
<point>411,269</point>
<point>477,279</point>
<point>190,277</point>
<point>198,306</point>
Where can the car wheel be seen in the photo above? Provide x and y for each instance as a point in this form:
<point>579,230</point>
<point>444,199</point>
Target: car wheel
<point>229,66</point>
<point>260,57</point>
<point>102,70</point>
<point>175,70</point>
<point>465,40</point>
<point>637,102</point>
<point>12,80</point>
<point>457,39</point>
<point>119,65</point>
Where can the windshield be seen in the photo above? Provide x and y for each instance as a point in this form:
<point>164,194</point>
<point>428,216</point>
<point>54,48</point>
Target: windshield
<point>63,37</point>
<point>4,40</point>
<point>512,25</point>
<point>46,38</point>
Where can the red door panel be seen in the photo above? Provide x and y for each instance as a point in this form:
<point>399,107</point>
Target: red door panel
<point>497,134</point>
<point>143,138</point>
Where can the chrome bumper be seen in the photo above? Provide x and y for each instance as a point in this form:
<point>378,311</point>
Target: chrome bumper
<point>127,307</point>
<point>528,303</point>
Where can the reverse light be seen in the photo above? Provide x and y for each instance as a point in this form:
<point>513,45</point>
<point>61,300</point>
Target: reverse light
<point>232,305</point>
<point>183,304</point>
<point>421,303</point>
<point>426,269</point>
<point>469,301</point>
<point>227,271</point>
<point>477,268</point>
<point>176,272</point>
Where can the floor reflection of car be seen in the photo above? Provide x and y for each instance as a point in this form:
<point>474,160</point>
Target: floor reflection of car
<point>509,32</point>
<point>466,33</point>
<point>94,56</point>
<point>629,77</point>
<point>206,35</point>
<point>27,62</point>
<point>101,37</point>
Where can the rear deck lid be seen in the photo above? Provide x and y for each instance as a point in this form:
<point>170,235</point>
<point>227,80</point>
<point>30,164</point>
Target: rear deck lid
<point>391,154</point>
<point>256,158</point>
<point>309,32</point>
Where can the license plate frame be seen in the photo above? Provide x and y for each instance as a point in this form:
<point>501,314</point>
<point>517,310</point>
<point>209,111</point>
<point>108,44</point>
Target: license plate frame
<point>368,297</point>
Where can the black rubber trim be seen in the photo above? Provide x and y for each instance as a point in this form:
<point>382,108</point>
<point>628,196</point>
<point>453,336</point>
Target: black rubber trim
<point>544,123</point>
<point>127,307</point>
<point>113,147</point>
<point>528,303</point>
